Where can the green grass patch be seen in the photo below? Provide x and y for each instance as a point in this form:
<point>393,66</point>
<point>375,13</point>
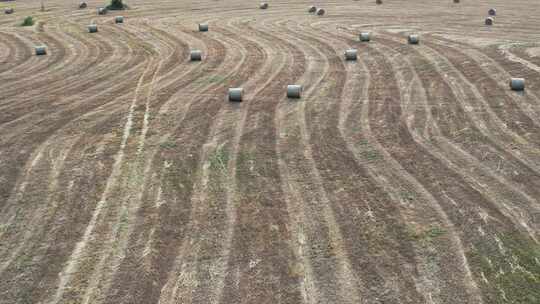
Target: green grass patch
<point>371,155</point>
<point>168,145</point>
<point>513,277</point>
<point>219,159</point>
<point>426,236</point>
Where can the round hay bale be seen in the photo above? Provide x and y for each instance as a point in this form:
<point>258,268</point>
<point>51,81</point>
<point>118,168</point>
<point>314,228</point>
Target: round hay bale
<point>312,9</point>
<point>119,19</point>
<point>456,1</point>
<point>40,50</point>
<point>517,84</point>
<point>378,1</point>
<point>413,39</point>
<point>101,11</point>
<point>492,12</point>
<point>365,36</point>
<point>294,91</point>
<point>195,55</point>
<point>489,21</point>
<point>263,5</point>
<point>203,27</point>
<point>92,28</point>
<point>320,12</point>
<point>9,10</point>
<point>83,5</point>
<point>351,54</point>
<point>236,94</point>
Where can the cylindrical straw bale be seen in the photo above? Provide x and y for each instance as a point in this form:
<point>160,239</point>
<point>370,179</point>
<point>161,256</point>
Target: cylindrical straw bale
<point>203,27</point>
<point>365,36</point>
<point>294,91</point>
<point>517,84</point>
<point>351,54</point>
<point>414,39</point>
<point>195,55</point>
<point>92,28</point>
<point>236,94</point>
<point>41,50</point>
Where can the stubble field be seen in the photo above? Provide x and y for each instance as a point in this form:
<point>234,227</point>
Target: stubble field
<point>411,175</point>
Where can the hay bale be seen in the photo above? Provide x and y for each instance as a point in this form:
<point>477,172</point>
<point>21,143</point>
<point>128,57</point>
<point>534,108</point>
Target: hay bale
<point>203,27</point>
<point>413,39</point>
<point>365,36</point>
<point>456,1</point>
<point>119,19</point>
<point>320,12</point>
<point>312,9</point>
<point>351,54</point>
<point>101,11</point>
<point>517,84</point>
<point>294,91</point>
<point>492,12</point>
<point>9,10</point>
<point>236,94</point>
<point>83,5</point>
<point>195,55</point>
<point>40,50</point>
<point>92,28</point>
<point>489,21</point>
<point>378,1</point>
<point>263,5</point>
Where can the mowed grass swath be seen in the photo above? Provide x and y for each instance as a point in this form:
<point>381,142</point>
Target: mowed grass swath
<point>278,152</point>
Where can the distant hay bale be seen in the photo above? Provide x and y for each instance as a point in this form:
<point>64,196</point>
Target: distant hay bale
<point>40,50</point>
<point>320,12</point>
<point>312,9</point>
<point>203,27</point>
<point>365,36</point>
<point>263,5</point>
<point>92,28</point>
<point>456,1</point>
<point>294,91</point>
<point>413,39</point>
<point>119,19</point>
<point>517,84</point>
<point>101,11</point>
<point>236,94</point>
<point>351,54</point>
<point>492,12</point>
<point>489,21</point>
<point>195,55</point>
<point>378,1</point>
<point>8,10</point>
<point>83,5</point>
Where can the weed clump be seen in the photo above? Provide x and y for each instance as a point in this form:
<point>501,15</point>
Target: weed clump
<point>28,21</point>
<point>116,5</point>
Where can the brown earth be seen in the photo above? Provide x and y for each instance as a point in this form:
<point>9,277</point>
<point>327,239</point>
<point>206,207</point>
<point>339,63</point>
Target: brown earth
<point>409,176</point>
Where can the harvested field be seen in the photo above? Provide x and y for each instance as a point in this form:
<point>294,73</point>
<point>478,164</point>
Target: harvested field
<point>409,175</point>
